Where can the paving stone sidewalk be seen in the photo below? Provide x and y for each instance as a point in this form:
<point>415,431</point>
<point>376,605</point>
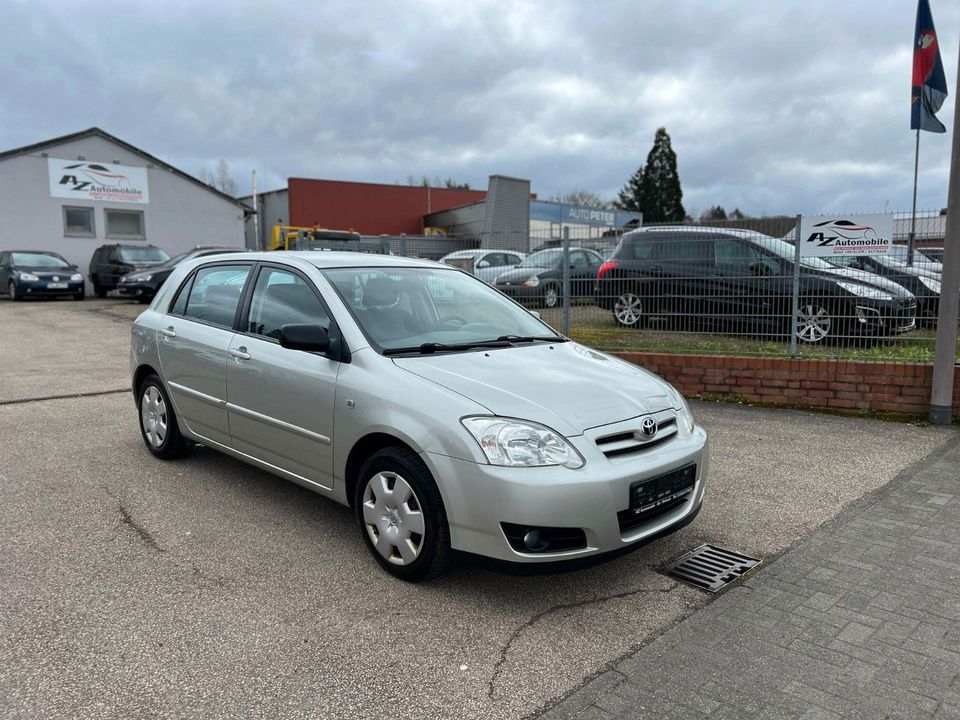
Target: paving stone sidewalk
<point>862,620</point>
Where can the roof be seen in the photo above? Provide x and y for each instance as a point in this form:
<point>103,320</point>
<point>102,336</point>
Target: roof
<point>325,259</point>
<point>699,230</point>
<point>97,132</point>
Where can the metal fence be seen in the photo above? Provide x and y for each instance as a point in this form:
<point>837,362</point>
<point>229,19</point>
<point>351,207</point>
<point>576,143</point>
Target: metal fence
<point>715,287</point>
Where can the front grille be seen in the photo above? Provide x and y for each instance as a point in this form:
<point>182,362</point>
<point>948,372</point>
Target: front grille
<point>631,441</point>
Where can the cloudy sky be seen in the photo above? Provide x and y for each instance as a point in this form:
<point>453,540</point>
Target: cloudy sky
<point>775,107</point>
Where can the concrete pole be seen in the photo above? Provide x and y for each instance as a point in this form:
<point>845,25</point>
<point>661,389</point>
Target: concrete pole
<point>945,357</point>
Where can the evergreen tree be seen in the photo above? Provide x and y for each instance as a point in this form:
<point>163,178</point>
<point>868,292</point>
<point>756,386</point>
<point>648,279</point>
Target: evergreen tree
<point>715,213</point>
<point>655,189</point>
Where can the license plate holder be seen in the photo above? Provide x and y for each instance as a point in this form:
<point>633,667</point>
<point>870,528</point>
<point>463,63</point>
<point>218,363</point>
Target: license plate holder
<point>647,495</point>
<point>56,286</point>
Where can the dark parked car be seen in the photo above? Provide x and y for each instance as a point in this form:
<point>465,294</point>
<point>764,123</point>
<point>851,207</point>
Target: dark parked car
<point>38,273</point>
<point>143,284</point>
<point>111,262</point>
<point>745,277</point>
<point>539,278</point>
<point>924,284</point>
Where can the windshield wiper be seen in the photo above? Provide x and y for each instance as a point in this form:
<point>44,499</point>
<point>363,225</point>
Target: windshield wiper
<point>532,338</point>
<point>432,347</point>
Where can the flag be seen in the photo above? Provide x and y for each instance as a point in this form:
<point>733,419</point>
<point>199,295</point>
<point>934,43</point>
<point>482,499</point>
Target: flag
<point>929,82</point>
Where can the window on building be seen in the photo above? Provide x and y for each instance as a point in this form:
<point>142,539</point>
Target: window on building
<point>78,221</point>
<point>124,223</point>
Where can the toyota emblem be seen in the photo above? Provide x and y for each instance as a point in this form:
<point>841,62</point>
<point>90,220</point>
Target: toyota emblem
<point>648,427</point>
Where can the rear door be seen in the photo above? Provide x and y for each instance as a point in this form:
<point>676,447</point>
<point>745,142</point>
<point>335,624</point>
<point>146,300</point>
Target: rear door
<point>280,402</point>
<point>194,338</point>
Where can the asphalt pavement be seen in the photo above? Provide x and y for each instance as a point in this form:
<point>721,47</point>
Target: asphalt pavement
<point>205,588</point>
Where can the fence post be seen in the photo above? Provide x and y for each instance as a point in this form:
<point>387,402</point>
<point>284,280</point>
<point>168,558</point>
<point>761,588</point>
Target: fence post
<point>403,244</point>
<point>795,293</point>
<point>566,281</point>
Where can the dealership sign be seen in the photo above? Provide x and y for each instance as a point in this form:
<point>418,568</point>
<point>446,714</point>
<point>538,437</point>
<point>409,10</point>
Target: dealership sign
<point>825,235</point>
<point>81,180</point>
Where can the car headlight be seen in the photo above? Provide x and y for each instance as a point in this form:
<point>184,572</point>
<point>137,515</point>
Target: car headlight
<point>520,443</point>
<point>865,291</point>
<point>28,276</point>
<point>684,414</point>
<point>76,277</point>
<point>531,281</point>
<point>930,284</point>
<point>143,278</point>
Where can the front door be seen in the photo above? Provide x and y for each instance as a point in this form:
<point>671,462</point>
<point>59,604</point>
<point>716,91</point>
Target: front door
<point>280,401</point>
<point>193,340</point>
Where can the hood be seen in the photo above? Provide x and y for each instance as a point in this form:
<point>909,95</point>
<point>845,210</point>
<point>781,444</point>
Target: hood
<point>566,386</point>
<point>518,275</point>
<point>865,278</point>
<point>46,270</point>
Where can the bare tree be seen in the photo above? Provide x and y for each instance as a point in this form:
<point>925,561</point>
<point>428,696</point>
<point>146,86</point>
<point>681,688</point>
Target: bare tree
<point>584,198</point>
<point>222,180</point>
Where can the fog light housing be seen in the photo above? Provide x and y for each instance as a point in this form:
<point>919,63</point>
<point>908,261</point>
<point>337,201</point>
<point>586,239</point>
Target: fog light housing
<point>536,539</point>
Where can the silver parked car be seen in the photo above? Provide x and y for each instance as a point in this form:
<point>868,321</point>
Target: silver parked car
<point>485,264</point>
<point>446,415</point>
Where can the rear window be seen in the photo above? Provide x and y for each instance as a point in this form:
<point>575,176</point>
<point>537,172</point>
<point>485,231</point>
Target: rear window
<point>142,254</point>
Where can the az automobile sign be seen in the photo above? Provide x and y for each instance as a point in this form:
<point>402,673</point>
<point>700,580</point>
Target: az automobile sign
<point>826,235</point>
<point>81,180</point>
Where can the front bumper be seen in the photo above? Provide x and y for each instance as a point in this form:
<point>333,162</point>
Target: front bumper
<point>520,291</point>
<point>142,291</point>
<point>879,317</point>
<point>479,497</point>
<point>42,288</point>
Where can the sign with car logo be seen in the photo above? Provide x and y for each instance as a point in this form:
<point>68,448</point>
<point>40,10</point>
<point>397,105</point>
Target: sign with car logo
<point>827,235</point>
<point>81,180</point>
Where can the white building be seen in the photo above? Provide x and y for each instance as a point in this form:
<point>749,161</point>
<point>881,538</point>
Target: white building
<point>74,193</point>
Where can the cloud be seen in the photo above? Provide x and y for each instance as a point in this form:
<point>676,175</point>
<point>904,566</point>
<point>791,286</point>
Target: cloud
<point>776,108</point>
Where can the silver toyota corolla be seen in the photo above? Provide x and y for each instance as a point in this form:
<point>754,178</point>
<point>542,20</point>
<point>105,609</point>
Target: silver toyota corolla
<point>446,415</point>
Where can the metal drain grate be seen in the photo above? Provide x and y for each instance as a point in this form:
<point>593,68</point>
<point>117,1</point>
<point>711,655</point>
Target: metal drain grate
<point>711,568</point>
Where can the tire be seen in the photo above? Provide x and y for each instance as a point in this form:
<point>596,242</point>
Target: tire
<point>628,310</point>
<point>551,296</point>
<point>815,322</point>
<point>401,515</point>
<point>99,290</point>
<point>80,296</point>
<point>12,292</point>
<point>158,421</point>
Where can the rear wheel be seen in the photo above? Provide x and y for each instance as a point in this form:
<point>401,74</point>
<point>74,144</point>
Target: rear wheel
<point>551,296</point>
<point>401,515</point>
<point>628,309</point>
<point>814,322</point>
<point>158,421</point>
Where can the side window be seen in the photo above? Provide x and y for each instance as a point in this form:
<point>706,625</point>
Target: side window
<point>180,304</point>
<point>643,249</point>
<point>282,298</point>
<point>215,294</point>
<point>578,259</point>
<point>734,256</point>
<point>690,252</point>
<point>512,259</point>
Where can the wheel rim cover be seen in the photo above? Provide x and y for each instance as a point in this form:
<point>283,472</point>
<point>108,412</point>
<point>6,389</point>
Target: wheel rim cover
<point>393,518</point>
<point>813,323</point>
<point>628,308</point>
<point>153,416</point>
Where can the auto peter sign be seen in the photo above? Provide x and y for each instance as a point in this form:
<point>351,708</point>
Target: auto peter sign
<point>81,180</point>
<point>826,235</point>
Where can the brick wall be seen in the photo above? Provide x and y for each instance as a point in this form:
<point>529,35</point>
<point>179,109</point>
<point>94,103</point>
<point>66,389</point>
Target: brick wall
<point>850,385</point>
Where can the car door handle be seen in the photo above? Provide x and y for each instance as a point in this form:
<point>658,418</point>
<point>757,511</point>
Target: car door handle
<point>168,332</point>
<point>240,353</point>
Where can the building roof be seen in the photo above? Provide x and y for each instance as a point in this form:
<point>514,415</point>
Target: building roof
<point>97,132</point>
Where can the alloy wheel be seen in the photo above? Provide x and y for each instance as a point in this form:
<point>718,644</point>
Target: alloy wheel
<point>393,517</point>
<point>551,297</point>
<point>628,309</point>
<point>153,416</point>
<point>813,323</point>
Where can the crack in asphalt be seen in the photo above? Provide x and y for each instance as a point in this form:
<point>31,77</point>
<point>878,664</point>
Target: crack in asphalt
<point>68,396</point>
<point>127,519</point>
<point>534,619</point>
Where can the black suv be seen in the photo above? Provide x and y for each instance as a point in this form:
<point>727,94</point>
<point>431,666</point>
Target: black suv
<point>745,278</point>
<point>110,262</point>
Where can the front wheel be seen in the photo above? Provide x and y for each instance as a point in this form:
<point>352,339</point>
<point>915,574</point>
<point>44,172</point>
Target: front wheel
<point>99,290</point>
<point>401,515</point>
<point>814,322</point>
<point>12,291</point>
<point>551,296</point>
<point>158,421</point>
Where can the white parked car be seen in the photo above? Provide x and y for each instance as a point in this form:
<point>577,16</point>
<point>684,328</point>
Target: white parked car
<point>484,264</point>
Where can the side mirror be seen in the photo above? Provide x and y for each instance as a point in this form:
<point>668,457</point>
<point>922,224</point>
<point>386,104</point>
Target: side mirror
<point>535,314</point>
<point>309,338</point>
<point>760,268</point>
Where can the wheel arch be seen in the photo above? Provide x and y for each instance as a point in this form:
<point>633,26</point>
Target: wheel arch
<point>363,449</point>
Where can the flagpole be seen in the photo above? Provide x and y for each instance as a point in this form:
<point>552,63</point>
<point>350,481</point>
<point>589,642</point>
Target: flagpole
<point>913,216</point>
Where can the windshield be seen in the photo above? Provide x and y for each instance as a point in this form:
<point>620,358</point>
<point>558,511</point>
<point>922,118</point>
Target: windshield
<point>411,307</point>
<point>38,260</point>
<point>144,254</point>
<point>788,252</point>
<point>543,259</point>
<point>175,260</point>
